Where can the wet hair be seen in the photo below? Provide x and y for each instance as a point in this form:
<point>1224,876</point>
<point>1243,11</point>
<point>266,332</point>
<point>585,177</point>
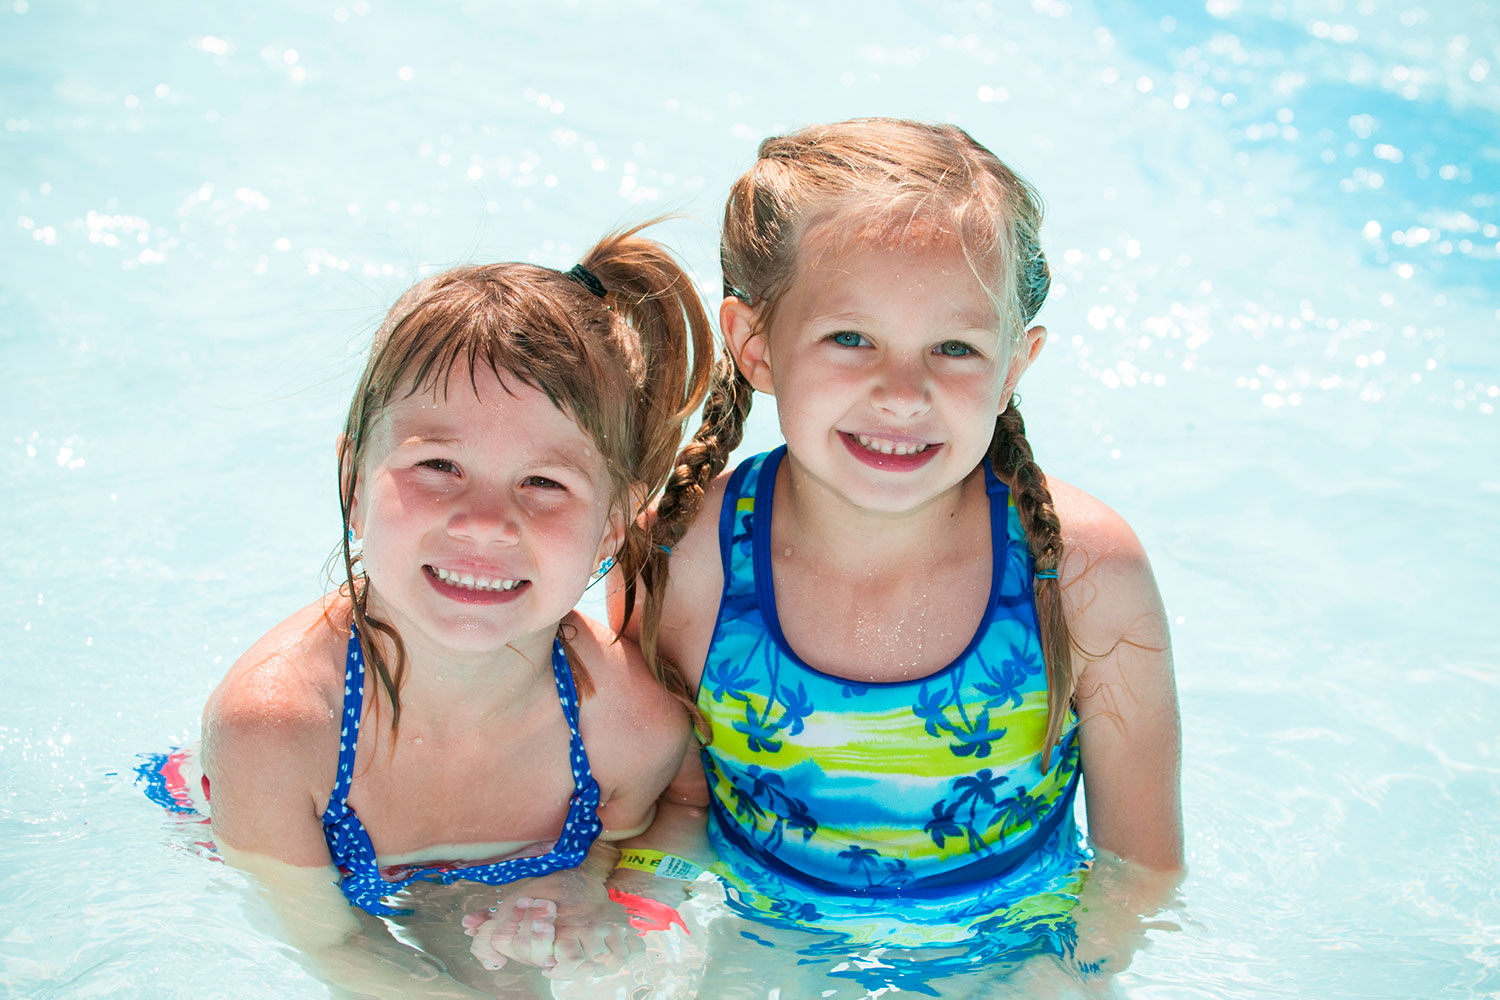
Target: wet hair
<point>886,181</point>
<point>630,367</point>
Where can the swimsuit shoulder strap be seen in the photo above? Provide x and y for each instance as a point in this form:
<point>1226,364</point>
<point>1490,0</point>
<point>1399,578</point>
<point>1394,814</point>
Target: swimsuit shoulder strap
<point>349,842</point>
<point>738,520</point>
<point>354,699</point>
<point>567,695</point>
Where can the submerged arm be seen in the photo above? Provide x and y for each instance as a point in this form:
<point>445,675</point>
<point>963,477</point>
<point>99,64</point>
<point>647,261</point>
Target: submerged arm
<point>269,757</point>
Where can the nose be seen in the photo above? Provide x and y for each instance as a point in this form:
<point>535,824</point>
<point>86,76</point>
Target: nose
<point>482,515</point>
<point>902,389</point>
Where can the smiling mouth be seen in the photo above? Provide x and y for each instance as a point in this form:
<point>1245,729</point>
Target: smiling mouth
<point>467,581</point>
<point>888,455</point>
<point>885,446</point>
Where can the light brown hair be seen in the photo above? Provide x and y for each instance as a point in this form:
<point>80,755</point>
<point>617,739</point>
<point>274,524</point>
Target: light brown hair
<point>630,367</point>
<point>857,180</point>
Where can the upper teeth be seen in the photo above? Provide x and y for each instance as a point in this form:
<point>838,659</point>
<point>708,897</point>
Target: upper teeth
<point>889,447</point>
<point>472,582</point>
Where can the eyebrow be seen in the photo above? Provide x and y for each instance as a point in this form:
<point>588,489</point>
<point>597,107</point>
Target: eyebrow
<point>424,439</point>
<point>964,320</point>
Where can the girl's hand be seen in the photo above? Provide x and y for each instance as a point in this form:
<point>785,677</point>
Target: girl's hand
<point>523,930</point>
<point>593,936</point>
<point>581,934</point>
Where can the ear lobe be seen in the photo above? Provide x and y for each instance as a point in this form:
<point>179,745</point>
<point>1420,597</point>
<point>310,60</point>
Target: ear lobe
<point>356,522</point>
<point>614,533</point>
<point>1031,345</point>
<point>747,344</point>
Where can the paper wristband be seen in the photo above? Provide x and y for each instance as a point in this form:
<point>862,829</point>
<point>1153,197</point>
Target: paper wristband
<point>659,864</point>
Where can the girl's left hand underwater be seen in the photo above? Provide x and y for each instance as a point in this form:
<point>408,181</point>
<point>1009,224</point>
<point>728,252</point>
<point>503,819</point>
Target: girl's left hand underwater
<point>523,930</point>
<point>589,939</point>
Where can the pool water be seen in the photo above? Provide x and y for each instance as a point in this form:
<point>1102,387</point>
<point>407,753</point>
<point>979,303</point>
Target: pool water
<point>1273,348</point>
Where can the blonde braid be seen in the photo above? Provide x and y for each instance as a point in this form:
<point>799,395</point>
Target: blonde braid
<point>1010,454</point>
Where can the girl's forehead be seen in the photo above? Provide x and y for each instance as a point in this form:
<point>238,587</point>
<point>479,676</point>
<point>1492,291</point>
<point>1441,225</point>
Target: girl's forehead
<point>460,408</point>
<point>846,276</point>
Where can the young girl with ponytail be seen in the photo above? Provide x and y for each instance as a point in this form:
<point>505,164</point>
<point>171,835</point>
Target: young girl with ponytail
<point>446,716</point>
<point>905,644</point>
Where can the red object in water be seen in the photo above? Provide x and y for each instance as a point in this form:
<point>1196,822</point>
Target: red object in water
<point>648,914</point>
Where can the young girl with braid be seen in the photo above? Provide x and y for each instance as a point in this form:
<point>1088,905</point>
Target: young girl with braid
<point>907,644</point>
<point>446,717</point>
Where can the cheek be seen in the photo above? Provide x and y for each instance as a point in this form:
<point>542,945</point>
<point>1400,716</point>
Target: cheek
<point>981,392</point>
<point>816,388</point>
<point>391,514</point>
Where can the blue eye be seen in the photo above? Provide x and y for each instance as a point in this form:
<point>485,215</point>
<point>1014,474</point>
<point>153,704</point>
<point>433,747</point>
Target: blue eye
<point>954,349</point>
<point>848,338</point>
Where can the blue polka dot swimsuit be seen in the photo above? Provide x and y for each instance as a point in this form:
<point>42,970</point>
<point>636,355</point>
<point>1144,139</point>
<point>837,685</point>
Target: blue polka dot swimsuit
<point>349,843</point>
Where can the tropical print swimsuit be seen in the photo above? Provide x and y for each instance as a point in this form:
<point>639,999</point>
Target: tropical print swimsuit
<point>349,845</point>
<point>840,803</point>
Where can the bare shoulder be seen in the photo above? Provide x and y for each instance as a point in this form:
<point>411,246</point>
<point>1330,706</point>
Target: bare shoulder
<point>696,564</point>
<point>1109,590</point>
<point>627,700</point>
<point>694,582</point>
<point>635,732</point>
<point>285,690</point>
<point>271,737</point>
<point>694,586</point>
<point>1126,696</point>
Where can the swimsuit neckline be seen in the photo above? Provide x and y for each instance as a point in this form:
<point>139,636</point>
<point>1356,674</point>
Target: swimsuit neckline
<point>760,539</point>
<point>349,842</point>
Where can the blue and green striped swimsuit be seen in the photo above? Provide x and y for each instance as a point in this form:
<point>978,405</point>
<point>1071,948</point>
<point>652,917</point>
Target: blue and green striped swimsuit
<point>923,789</point>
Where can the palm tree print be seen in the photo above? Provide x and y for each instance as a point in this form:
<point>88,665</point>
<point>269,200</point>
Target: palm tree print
<point>942,709</point>
<point>878,871</point>
<point>973,808</point>
<point>766,798</point>
<point>786,708</point>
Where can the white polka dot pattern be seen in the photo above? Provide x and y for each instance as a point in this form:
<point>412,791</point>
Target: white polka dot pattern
<point>349,843</point>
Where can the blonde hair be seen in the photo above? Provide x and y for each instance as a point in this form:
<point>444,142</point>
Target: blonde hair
<point>889,180</point>
<point>630,367</point>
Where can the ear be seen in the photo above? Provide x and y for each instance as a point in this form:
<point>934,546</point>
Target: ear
<point>747,343</point>
<point>1031,345</point>
<point>614,532</point>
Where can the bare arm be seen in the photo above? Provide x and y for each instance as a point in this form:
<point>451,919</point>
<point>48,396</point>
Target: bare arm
<point>1126,697</point>
<point>270,748</point>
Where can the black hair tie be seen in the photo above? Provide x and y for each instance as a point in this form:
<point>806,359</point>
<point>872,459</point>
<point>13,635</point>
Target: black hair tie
<point>588,279</point>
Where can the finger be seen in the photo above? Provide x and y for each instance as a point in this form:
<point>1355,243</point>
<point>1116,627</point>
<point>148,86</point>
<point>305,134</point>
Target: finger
<point>610,953</point>
<point>570,958</point>
<point>484,949</point>
<point>535,943</point>
<point>510,916</point>
<point>537,910</point>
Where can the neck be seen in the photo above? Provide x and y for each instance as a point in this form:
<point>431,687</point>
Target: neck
<point>827,528</point>
<point>445,690</point>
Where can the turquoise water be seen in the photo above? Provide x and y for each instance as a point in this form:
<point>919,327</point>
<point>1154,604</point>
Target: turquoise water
<point>1274,349</point>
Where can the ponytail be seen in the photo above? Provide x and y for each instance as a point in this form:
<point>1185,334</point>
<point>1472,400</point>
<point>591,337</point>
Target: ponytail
<point>671,351</point>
